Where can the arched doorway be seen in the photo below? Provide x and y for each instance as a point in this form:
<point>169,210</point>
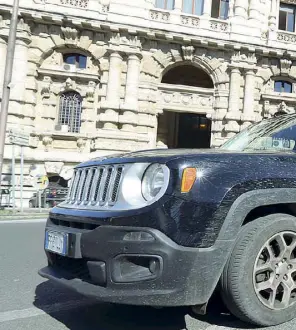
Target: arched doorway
<point>186,98</point>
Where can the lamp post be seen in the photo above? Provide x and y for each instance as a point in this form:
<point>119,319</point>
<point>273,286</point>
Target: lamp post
<point>7,80</point>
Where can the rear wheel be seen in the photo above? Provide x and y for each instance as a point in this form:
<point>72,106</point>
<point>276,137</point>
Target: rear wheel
<point>259,280</point>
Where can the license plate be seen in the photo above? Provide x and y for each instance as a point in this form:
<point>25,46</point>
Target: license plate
<point>56,242</point>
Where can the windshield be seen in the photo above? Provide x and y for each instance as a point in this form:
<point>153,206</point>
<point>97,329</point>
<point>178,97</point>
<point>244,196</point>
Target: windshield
<point>277,134</point>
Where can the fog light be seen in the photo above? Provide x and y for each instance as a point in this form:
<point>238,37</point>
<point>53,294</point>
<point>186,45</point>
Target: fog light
<point>136,236</point>
<point>153,266</point>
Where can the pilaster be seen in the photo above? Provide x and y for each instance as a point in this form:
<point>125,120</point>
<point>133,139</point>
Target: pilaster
<point>178,6</point>
<point>207,10</point>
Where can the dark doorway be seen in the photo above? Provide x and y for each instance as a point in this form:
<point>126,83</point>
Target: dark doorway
<point>194,131</point>
<point>184,130</point>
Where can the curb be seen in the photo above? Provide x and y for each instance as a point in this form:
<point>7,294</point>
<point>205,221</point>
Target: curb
<point>23,216</point>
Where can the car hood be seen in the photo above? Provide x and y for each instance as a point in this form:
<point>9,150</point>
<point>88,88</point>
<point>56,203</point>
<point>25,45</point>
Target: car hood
<point>166,155</point>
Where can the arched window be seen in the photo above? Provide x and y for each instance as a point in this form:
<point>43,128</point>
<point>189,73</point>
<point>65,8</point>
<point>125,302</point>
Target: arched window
<point>75,59</point>
<point>70,111</point>
<point>281,86</point>
<point>165,4</point>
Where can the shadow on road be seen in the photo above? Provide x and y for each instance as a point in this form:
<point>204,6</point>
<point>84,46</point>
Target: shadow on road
<point>114,317</point>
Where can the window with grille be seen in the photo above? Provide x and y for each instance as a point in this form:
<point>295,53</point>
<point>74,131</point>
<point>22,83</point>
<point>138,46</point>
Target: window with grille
<point>165,4</point>
<point>70,111</point>
<point>194,7</point>
<point>220,9</point>
<point>281,86</point>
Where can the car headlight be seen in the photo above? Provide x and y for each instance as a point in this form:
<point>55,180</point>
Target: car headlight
<point>153,181</point>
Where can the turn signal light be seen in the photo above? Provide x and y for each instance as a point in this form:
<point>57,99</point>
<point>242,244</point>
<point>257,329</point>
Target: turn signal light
<point>188,179</point>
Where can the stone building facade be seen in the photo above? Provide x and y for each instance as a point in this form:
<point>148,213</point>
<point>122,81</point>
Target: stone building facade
<point>94,77</point>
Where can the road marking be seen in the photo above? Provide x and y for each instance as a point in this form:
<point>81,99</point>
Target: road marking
<point>46,309</point>
<point>23,221</point>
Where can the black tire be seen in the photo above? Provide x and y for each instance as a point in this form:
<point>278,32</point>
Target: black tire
<point>237,288</point>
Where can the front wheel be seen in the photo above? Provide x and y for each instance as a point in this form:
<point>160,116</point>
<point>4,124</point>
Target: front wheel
<point>259,280</point>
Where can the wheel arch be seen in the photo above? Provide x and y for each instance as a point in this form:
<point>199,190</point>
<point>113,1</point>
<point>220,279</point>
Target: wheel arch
<point>243,210</point>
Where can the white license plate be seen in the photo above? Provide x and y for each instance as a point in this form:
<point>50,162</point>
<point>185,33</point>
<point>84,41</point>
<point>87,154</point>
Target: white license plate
<point>56,242</point>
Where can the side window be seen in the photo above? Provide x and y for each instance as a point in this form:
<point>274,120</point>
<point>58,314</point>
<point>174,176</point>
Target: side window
<point>76,59</point>
<point>282,86</point>
<point>285,139</point>
<point>165,4</point>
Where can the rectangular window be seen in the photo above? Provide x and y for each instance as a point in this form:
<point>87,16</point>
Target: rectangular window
<point>282,87</point>
<point>165,4</point>
<point>193,7</point>
<point>76,59</point>
<point>220,9</point>
<point>287,18</point>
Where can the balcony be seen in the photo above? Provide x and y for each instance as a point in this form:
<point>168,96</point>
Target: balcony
<point>287,37</point>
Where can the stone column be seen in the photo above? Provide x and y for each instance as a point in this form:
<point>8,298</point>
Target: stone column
<point>112,103</point>
<point>130,106</point>
<point>234,92</point>
<point>240,10</point>
<point>3,50</point>
<point>132,82</point>
<point>233,115</point>
<point>207,10</point>
<point>114,82</point>
<point>248,109</point>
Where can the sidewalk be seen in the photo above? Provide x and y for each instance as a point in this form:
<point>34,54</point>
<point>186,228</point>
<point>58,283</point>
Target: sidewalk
<point>8,214</point>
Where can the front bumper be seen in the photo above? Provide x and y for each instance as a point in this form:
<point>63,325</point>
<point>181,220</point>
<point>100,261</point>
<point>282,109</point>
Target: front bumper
<point>121,265</point>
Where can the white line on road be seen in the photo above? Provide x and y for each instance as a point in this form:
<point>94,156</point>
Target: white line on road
<point>47,309</point>
<point>22,221</point>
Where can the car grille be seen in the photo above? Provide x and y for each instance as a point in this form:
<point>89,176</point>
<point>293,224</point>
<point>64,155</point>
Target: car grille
<point>95,186</point>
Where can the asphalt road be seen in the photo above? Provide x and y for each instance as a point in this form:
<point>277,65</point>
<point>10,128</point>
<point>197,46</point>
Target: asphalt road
<point>30,302</point>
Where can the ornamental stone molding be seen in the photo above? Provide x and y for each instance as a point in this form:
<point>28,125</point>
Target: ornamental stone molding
<point>81,144</point>
<point>53,167</point>
<point>160,16</point>
<point>187,52</point>
<point>69,85</point>
<point>90,91</point>
<point>240,59</point>
<point>285,66</point>
<point>47,142</point>
<point>70,35</point>
<point>125,43</point>
<point>198,100</point>
<point>190,21</point>
<point>75,3</point>
<point>46,86</point>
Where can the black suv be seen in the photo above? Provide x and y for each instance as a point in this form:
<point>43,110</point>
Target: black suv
<point>168,227</point>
